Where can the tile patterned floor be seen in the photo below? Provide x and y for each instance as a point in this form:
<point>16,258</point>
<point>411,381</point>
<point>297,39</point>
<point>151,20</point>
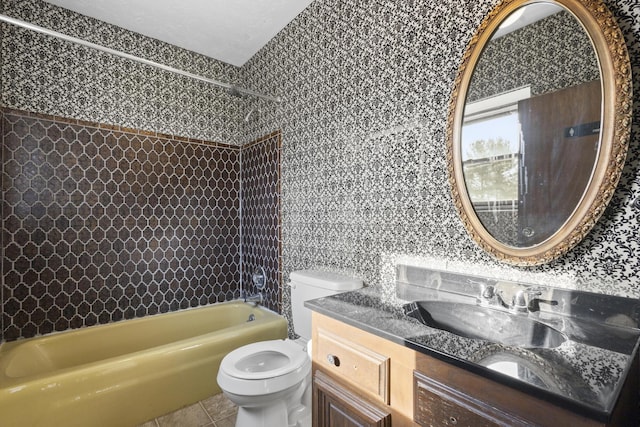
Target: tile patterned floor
<point>216,411</point>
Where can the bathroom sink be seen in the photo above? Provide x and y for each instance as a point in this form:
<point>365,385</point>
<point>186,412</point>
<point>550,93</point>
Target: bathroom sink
<point>525,365</point>
<point>480,322</point>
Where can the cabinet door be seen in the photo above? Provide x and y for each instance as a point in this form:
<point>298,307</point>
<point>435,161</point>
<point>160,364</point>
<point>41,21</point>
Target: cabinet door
<point>436,405</point>
<point>336,406</point>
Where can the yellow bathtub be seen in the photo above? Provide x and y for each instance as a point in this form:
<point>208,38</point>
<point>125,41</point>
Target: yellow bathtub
<point>127,372</point>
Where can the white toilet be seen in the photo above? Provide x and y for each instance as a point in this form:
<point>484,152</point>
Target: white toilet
<point>270,381</point>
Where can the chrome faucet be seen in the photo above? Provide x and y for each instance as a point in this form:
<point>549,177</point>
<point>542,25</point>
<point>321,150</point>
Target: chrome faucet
<point>255,298</point>
<point>514,297</point>
<point>487,292</point>
<point>523,300</point>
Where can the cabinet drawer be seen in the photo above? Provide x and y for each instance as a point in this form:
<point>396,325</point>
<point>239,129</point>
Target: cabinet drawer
<point>438,405</point>
<point>334,405</point>
<point>359,365</point>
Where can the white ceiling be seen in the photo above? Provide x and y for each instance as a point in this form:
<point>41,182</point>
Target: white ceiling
<point>228,30</point>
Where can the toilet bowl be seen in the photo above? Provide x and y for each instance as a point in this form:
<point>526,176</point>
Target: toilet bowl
<point>269,381</point>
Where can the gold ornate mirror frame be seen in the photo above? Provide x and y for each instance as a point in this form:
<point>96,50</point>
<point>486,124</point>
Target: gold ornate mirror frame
<point>608,43</point>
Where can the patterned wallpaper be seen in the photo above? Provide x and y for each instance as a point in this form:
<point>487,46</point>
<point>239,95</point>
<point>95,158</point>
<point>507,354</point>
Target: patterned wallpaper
<point>551,54</point>
<point>47,75</point>
<point>366,86</point>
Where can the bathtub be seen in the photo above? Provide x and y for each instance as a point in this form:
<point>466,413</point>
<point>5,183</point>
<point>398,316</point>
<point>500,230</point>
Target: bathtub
<point>127,372</point>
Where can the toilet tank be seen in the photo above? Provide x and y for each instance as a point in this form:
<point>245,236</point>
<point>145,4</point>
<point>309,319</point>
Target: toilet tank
<point>312,284</point>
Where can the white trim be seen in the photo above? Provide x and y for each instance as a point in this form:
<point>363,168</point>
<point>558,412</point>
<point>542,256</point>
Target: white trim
<point>502,103</point>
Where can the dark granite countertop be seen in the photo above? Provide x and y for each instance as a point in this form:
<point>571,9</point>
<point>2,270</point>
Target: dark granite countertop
<point>584,374</point>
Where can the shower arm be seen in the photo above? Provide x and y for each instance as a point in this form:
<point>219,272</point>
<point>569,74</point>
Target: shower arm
<point>233,90</point>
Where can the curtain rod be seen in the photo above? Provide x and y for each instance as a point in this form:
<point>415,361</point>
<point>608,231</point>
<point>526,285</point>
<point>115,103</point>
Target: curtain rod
<point>233,90</point>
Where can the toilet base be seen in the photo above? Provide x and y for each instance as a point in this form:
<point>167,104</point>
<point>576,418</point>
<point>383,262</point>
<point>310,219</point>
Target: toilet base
<point>264,416</point>
<point>294,410</point>
<point>270,416</point>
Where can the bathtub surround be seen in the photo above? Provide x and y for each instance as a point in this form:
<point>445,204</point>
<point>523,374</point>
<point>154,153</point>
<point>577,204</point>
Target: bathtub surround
<point>366,87</point>
<point>260,206</point>
<point>102,223</point>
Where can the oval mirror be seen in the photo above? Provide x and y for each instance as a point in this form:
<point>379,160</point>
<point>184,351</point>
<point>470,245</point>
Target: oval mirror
<point>538,127</point>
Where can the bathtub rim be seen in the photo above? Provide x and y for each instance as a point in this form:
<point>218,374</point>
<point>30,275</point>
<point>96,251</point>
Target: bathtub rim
<point>6,345</point>
<point>10,382</point>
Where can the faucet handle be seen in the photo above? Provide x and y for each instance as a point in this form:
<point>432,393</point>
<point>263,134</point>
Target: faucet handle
<point>525,299</point>
<point>531,299</point>
<point>519,301</point>
<point>488,291</point>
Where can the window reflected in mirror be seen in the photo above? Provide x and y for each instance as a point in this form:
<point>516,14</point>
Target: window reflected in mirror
<point>491,147</point>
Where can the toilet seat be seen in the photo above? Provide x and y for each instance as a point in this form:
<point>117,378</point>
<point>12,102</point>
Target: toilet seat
<point>241,374</point>
<point>264,359</point>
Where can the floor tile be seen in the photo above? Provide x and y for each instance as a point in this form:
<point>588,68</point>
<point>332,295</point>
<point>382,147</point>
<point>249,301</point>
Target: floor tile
<point>226,422</point>
<point>219,407</point>
<point>191,416</point>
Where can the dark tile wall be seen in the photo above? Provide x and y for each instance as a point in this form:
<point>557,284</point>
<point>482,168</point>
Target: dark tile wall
<point>261,226</point>
<point>107,222</point>
<point>102,223</point>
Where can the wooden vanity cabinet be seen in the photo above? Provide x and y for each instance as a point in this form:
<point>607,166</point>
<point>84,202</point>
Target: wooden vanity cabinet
<point>335,404</point>
<point>360,379</point>
<point>446,395</point>
<point>439,405</point>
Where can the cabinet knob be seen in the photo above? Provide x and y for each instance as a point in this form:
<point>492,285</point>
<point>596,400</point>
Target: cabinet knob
<point>333,360</point>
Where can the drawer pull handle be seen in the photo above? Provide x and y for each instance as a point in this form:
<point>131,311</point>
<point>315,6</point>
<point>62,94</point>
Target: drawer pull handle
<point>333,360</point>
<point>453,420</point>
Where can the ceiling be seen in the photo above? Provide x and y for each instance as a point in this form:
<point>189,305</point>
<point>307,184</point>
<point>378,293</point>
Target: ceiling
<point>231,31</point>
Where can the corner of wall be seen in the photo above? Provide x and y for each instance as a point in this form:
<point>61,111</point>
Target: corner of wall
<point>260,210</point>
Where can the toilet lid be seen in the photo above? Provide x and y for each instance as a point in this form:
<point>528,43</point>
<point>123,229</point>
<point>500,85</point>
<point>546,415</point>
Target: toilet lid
<point>264,359</point>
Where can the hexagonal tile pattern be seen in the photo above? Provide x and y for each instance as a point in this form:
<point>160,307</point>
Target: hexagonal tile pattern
<point>261,216</point>
<point>101,224</point>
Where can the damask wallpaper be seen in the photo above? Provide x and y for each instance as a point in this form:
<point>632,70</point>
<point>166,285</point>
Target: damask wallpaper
<point>47,75</point>
<point>366,88</point>
<point>551,54</point>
